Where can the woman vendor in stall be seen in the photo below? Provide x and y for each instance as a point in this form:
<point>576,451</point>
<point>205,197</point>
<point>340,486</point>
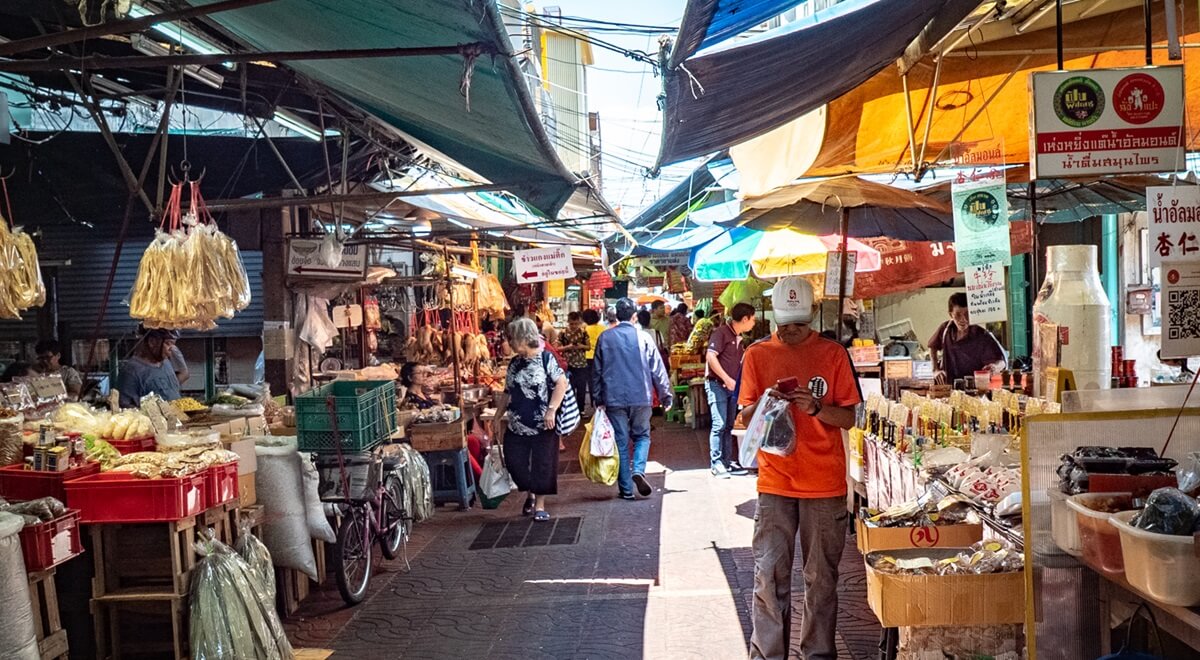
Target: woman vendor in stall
<point>959,349</point>
<point>421,392</point>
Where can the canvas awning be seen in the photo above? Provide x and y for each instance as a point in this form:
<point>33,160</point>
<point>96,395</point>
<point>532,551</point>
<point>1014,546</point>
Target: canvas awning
<point>497,134</point>
<point>739,89</point>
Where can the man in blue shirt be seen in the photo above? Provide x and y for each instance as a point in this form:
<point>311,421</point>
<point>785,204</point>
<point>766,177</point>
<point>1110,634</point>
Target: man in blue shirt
<point>626,372</point>
<point>149,371</point>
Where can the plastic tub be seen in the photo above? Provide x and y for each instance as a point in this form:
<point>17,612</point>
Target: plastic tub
<point>1063,526</point>
<point>18,484</point>
<point>111,497</point>
<point>220,484</point>
<point>133,446</point>
<point>51,543</point>
<point>1100,542</point>
<point>1162,566</point>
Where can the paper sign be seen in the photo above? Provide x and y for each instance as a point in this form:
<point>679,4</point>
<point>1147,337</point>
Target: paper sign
<point>303,261</point>
<point>543,264</point>
<point>1107,121</point>
<point>980,203</point>
<point>833,274</point>
<point>556,289</point>
<point>347,316</point>
<point>1181,309</point>
<point>986,301</point>
<point>1174,217</point>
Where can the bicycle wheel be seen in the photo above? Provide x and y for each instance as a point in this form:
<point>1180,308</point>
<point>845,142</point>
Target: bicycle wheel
<point>352,555</point>
<point>393,518</point>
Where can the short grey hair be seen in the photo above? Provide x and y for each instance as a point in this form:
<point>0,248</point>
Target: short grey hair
<point>524,331</point>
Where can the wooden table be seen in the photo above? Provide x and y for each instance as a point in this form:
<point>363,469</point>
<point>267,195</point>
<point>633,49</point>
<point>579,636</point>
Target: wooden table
<point>1182,623</point>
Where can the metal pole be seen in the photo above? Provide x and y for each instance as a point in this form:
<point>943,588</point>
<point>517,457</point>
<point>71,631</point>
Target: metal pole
<point>456,343</point>
<point>844,266</point>
<point>1146,15</point>
<point>120,27</point>
<point>323,200</point>
<point>1058,31</point>
<point>92,62</point>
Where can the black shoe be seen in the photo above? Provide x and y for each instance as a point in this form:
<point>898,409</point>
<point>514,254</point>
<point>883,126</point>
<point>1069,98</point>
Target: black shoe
<point>737,470</point>
<point>643,486</point>
<point>528,508</point>
<point>626,496</point>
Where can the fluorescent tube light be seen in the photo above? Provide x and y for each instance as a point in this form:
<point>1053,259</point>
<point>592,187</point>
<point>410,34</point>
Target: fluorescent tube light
<point>148,46</point>
<point>181,35</point>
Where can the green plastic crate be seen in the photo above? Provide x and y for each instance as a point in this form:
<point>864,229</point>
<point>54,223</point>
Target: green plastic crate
<point>366,415</point>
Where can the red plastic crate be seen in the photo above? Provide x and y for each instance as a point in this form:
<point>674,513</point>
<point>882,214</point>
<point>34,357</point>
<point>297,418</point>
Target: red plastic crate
<point>111,497</point>
<point>51,543</point>
<point>131,446</point>
<point>221,484</point>
<point>18,484</point>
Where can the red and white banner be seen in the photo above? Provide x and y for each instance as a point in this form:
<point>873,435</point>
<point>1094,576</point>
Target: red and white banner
<point>1107,121</point>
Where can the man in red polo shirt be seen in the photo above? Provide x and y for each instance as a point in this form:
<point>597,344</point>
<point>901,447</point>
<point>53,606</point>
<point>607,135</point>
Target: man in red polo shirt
<point>804,492</point>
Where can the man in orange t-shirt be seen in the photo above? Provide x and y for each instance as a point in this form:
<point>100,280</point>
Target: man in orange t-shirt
<point>804,492</point>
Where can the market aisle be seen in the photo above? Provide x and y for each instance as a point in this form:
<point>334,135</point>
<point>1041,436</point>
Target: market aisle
<point>669,577</point>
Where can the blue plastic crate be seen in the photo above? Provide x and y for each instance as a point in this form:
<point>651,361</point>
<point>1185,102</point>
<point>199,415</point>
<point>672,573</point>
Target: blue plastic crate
<point>366,415</point>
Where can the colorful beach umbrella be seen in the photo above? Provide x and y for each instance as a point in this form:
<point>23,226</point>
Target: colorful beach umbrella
<point>772,254</point>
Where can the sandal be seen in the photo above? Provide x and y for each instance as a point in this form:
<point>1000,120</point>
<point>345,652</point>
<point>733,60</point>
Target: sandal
<point>541,516</point>
<point>529,504</point>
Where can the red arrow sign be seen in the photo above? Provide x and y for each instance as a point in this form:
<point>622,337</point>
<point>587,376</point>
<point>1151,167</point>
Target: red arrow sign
<point>529,275</point>
<point>333,271</point>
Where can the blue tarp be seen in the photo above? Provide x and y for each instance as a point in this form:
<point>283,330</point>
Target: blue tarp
<point>741,89</point>
<point>709,22</point>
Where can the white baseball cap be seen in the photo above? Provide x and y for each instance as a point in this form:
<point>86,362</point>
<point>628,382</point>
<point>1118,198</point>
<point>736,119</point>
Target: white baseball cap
<point>792,300</point>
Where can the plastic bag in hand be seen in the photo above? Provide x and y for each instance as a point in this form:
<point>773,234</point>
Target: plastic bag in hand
<point>495,480</point>
<point>1168,511</point>
<point>602,438</point>
<point>771,429</point>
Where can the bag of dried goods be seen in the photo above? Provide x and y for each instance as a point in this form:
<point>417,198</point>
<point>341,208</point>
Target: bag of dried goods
<point>231,615</point>
<point>18,638</point>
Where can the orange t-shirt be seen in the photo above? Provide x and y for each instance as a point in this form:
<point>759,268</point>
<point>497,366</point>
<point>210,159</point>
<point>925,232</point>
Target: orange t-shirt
<point>817,468</point>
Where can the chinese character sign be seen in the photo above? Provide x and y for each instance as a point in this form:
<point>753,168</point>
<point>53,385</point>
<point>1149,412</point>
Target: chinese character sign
<point>1107,121</point>
<point>986,301</point>
<point>1174,222</point>
<point>980,204</point>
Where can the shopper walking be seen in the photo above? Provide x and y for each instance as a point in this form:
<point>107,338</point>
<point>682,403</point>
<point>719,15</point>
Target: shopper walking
<point>627,372</point>
<point>723,367</point>
<point>535,387</point>
<point>803,493</point>
<point>575,346</point>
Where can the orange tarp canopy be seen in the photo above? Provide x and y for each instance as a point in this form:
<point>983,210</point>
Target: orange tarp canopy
<point>866,128</point>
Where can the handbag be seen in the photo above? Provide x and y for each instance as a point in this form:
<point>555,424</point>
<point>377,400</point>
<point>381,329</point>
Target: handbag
<point>567,418</point>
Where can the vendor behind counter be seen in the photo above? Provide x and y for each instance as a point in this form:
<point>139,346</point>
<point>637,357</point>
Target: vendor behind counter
<point>421,392</point>
<point>960,349</point>
<point>149,370</point>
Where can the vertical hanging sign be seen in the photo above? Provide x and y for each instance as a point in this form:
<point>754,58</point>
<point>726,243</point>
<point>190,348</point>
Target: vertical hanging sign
<point>980,204</point>
<point>986,301</point>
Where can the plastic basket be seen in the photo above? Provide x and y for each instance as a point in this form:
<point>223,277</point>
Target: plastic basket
<point>113,497</point>
<point>1099,541</point>
<point>1064,528</point>
<point>1162,566</point>
<point>132,446</point>
<point>48,544</point>
<point>220,484</point>
<point>363,470</point>
<point>366,415</point>
<point>19,484</point>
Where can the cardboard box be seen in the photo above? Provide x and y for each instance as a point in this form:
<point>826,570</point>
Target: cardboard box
<point>247,494</point>
<point>944,600</point>
<point>871,539</point>
<point>244,448</point>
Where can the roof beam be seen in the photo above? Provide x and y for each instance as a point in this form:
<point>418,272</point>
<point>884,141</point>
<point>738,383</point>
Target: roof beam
<point>319,200</point>
<point>120,27</point>
<point>93,62</point>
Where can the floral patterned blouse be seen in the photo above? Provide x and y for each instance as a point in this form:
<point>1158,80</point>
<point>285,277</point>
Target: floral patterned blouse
<point>575,358</point>
<point>529,385</point>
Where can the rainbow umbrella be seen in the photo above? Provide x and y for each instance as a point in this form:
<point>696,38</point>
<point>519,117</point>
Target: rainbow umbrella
<point>771,254</point>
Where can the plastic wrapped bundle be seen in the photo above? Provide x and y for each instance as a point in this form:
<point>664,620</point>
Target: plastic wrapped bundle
<point>771,429</point>
<point>418,488</point>
<point>22,286</point>
<point>231,614</point>
<point>18,638</point>
<point>258,558</point>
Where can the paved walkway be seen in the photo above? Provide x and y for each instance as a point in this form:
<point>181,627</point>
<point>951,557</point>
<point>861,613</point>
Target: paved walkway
<point>667,577</point>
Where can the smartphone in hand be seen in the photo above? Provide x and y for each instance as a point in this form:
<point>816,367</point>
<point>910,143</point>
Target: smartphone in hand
<point>787,385</point>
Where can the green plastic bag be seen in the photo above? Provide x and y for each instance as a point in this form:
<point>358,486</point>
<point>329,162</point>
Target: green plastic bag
<point>597,469</point>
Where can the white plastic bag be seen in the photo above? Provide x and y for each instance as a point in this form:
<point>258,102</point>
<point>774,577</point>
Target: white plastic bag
<point>280,487</point>
<point>602,437</point>
<point>495,480</point>
<point>318,524</point>
<point>771,429</point>
<point>18,639</point>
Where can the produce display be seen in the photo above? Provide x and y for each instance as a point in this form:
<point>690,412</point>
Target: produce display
<point>923,512</point>
<point>36,511</point>
<point>697,342</point>
<point>152,464</point>
<point>439,414</point>
<point>187,404</point>
<point>981,558</point>
<point>126,425</point>
<point>191,274</point>
<point>21,287</point>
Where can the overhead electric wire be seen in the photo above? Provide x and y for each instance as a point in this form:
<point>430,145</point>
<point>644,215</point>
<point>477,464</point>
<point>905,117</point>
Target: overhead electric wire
<point>539,21</point>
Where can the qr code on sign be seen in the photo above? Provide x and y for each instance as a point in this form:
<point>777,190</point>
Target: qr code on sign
<point>1183,314</point>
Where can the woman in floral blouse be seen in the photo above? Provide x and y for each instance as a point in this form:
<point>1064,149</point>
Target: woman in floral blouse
<point>575,345</point>
<point>535,385</point>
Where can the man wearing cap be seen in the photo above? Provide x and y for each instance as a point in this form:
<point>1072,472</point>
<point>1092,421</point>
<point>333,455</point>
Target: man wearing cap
<point>802,494</point>
<point>627,370</point>
<point>149,370</point>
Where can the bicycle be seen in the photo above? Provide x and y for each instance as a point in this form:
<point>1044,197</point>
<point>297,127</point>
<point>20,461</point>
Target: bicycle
<point>369,511</point>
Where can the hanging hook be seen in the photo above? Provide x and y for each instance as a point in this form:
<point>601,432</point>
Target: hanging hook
<point>6,177</point>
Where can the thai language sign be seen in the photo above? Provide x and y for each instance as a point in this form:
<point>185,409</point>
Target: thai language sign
<point>1174,221</point>
<point>1107,121</point>
<point>543,265</point>
<point>985,294</point>
<point>980,204</point>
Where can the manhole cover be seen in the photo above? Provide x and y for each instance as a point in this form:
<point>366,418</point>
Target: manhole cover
<point>527,534</point>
